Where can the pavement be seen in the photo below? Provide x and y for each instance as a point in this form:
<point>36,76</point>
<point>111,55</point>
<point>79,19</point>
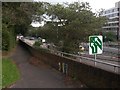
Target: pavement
<point>32,76</point>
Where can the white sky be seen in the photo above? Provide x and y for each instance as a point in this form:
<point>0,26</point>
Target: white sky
<point>95,5</point>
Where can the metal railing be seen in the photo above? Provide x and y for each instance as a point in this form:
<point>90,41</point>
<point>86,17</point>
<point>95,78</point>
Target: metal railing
<point>81,58</point>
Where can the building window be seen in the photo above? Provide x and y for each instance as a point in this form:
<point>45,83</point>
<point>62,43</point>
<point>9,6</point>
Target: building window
<point>118,9</point>
<point>112,10</point>
<point>118,14</point>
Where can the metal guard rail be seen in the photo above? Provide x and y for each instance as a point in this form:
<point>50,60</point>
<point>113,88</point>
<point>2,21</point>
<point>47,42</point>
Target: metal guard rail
<point>59,53</point>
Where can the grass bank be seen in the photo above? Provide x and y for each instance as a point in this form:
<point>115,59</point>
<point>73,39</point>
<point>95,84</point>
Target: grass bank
<point>10,72</point>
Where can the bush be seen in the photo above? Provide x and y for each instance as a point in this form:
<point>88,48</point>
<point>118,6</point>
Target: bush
<point>37,43</point>
<point>8,39</point>
<point>5,40</point>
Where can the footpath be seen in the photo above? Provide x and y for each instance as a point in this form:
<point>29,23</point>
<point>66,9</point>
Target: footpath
<point>36,74</point>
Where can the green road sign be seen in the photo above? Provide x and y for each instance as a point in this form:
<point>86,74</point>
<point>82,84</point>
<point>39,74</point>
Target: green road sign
<point>95,45</point>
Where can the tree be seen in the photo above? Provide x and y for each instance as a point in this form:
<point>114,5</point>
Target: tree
<point>16,18</point>
<point>109,36</point>
<point>77,23</point>
<point>70,24</point>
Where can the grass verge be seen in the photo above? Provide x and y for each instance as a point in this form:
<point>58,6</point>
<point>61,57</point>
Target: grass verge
<point>10,72</point>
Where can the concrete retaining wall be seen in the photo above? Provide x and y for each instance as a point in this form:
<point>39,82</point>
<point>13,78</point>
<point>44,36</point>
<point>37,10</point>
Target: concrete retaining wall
<point>91,76</point>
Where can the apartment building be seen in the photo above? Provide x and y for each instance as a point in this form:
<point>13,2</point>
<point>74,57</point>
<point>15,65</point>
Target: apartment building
<point>113,22</point>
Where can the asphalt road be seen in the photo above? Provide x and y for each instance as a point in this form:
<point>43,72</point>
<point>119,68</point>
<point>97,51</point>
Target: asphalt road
<point>104,57</point>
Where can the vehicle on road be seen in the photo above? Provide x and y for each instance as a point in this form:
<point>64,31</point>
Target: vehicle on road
<point>31,38</point>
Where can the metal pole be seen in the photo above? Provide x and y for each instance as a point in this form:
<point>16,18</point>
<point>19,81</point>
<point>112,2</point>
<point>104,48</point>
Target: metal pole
<point>95,60</point>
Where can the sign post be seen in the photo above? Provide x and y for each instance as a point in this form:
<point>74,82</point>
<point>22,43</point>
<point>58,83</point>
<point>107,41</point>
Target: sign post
<point>95,45</point>
<point>95,59</point>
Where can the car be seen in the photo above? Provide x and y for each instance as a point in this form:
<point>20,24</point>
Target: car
<point>31,38</point>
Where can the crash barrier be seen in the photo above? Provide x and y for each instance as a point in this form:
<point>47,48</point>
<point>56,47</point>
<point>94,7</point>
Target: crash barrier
<point>91,76</point>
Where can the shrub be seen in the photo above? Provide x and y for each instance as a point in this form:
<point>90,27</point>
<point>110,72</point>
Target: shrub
<point>5,40</point>
<point>37,43</point>
<point>8,39</point>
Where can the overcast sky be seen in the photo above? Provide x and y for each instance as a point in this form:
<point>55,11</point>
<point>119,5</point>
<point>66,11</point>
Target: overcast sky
<point>95,4</point>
